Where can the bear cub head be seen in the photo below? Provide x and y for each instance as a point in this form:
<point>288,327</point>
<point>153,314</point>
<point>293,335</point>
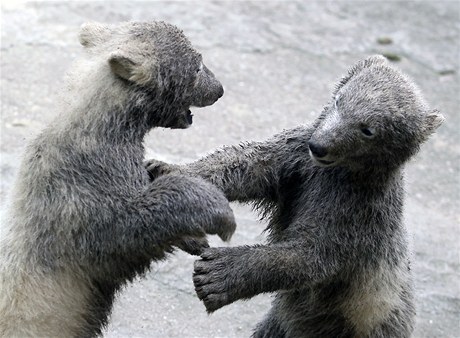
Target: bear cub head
<point>160,70</point>
<point>377,119</point>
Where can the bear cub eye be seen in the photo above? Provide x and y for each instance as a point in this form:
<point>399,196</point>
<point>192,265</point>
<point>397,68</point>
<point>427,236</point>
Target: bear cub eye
<point>368,131</point>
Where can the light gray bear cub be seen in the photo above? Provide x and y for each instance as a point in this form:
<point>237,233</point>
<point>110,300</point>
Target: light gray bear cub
<point>333,192</point>
<point>85,218</point>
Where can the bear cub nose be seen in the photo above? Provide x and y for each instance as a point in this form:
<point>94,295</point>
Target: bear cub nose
<point>220,91</point>
<point>317,150</point>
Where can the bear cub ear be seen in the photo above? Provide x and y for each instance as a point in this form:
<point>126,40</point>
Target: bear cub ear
<point>376,59</point>
<point>122,66</point>
<point>373,60</point>
<point>432,121</point>
<point>93,34</point>
<point>129,69</point>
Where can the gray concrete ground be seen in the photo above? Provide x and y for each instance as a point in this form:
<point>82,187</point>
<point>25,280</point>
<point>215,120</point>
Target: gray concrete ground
<point>278,62</point>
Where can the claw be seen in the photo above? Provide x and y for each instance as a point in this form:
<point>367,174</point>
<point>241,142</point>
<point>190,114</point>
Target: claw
<point>209,254</point>
<point>214,302</point>
<point>200,294</point>
<point>200,267</point>
<point>193,245</point>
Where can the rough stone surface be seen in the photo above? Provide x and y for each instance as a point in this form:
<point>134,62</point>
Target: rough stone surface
<point>278,62</point>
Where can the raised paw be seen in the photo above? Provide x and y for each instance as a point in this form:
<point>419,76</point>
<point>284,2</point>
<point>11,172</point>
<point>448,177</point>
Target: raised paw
<point>220,220</point>
<point>214,280</point>
<point>193,245</point>
<point>157,168</point>
<point>225,222</point>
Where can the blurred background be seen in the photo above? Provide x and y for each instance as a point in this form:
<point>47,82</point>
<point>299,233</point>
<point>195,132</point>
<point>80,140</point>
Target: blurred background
<point>278,62</point>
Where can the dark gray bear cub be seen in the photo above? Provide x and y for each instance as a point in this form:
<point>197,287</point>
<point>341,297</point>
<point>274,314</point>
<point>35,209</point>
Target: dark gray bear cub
<point>333,193</point>
<point>86,218</point>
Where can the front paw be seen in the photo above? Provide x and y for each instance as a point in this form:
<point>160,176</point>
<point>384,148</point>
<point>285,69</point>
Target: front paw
<point>157,168</point>
<point>192,245</point>
<point>220,219</point>
<point>223,224</point>
<point>215,283</point>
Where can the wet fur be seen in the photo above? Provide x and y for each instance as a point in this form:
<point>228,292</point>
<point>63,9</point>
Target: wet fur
<point>337,254</point>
